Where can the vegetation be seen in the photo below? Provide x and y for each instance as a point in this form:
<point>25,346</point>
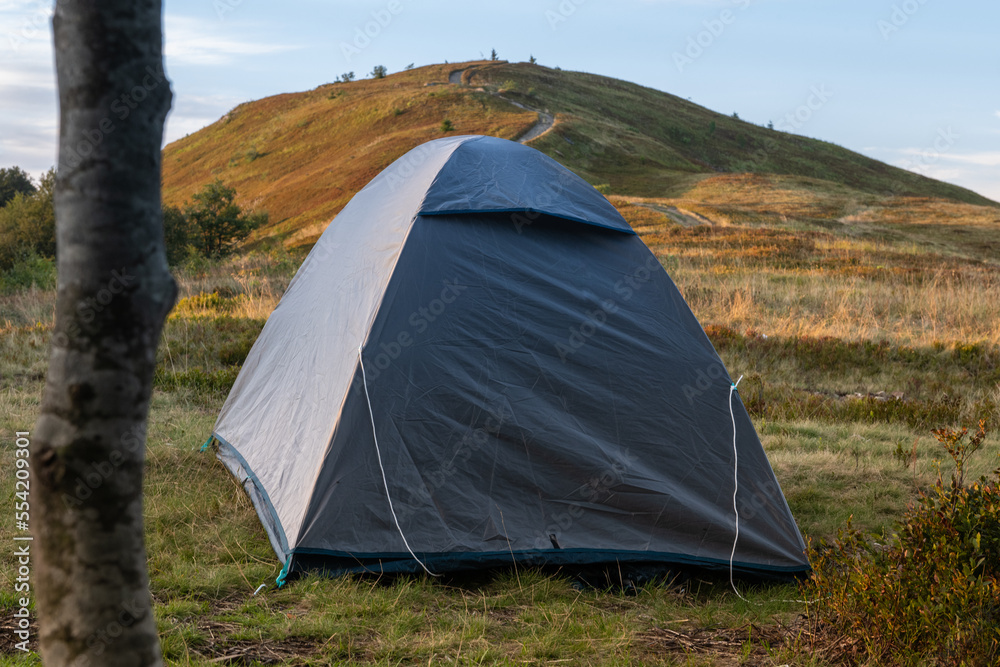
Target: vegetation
<point>643,143</point>
<point>857,302</point>
<point>212,226</point>
<point>14,180</point>
<point>844,401</point>
<point>379,72</point>
<point>27,222</point>
<point>931,595</point>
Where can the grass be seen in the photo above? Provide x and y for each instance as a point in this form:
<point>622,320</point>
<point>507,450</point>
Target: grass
<point>859,321</point>
<point>302,156</point>
<point>840,443</point>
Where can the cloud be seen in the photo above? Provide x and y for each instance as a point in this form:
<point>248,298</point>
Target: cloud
<point>188,42</point>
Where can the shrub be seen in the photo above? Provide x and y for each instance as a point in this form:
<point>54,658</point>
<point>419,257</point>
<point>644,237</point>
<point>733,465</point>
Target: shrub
<point>31,270</point>
<point>379,72</point>
<point>931,595</point>
<point>14,180</point>
<point>446,125</point>
<point>28,224</point>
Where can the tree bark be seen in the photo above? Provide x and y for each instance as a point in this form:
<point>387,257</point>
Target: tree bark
<point>115,290</point>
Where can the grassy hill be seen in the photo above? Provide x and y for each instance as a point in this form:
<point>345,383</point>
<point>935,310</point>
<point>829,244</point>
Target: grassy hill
<point>861,312</point>
<point>302,156</point>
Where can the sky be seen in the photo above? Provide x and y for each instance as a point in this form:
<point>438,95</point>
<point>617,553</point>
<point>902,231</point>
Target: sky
<point>911,82</point>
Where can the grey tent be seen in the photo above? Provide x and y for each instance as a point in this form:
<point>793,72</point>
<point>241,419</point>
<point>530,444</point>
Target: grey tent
<point>480,363</point>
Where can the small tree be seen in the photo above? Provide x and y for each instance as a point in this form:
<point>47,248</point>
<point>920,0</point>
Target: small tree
<point>379,72</point>
<point>493,55</point>
<point>346,77</point>
<point>216,222</point>
<point>531,60</point>
<point>28,224</point>
<point>178,234</point>
<point>14,180</point>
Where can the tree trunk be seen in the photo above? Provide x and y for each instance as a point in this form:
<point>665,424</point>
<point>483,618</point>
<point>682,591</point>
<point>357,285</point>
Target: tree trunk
<point>91,581</point>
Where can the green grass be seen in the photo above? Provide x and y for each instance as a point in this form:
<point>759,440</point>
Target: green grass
<point>821,398</point>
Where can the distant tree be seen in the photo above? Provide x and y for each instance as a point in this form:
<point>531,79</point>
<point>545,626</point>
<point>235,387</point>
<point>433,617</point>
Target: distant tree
<point>446,125</point>
<point>531,59</point>
<point>736,115</point>
<point>28,224</point>
<point>409,67</point>
<point>379,72</point>
<point>493,55</point>
<point>770,125</point>
<point>12,181</point>
<point>178,234</point>
<point>346,77</point>
<point>216,223</point>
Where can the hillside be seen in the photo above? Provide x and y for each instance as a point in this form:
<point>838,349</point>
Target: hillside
<point>302,156</point>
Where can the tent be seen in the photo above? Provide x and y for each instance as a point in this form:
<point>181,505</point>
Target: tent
<point>480,363</point>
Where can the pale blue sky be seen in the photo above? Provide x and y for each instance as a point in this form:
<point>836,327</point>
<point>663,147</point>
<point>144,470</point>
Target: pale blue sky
<point>910,82</point>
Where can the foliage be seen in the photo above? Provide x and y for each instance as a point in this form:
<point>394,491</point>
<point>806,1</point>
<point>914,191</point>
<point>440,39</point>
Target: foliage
<point>14,180</point>
<point>379,72</point>
<point>27,272</point>
<point>931,595</point>
<point>447,126</point>
<point>28,224</point>
<point>493,55</point>
<point>346,77</point>
<point>532,60</point>
<point>211,226</point>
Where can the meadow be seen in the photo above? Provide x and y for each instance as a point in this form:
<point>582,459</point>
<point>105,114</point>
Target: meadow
<point>858,329</point>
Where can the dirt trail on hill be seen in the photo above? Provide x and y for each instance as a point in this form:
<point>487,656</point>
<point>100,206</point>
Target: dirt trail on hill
<point>545,119</point>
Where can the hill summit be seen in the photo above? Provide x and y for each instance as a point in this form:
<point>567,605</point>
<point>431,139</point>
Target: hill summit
<point>302,156</point>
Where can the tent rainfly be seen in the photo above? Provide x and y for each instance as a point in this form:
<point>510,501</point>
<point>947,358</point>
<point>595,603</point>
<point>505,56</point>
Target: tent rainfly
<point>480,363</point>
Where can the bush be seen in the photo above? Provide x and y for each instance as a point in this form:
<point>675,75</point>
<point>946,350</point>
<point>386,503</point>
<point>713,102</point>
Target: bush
<point>212,226</point>
<point>379,72</point>
<point>14,180</point>
<point>29,271</point>
<point>446,125</point>
<point>28,224</point>
<point>929,596</point>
